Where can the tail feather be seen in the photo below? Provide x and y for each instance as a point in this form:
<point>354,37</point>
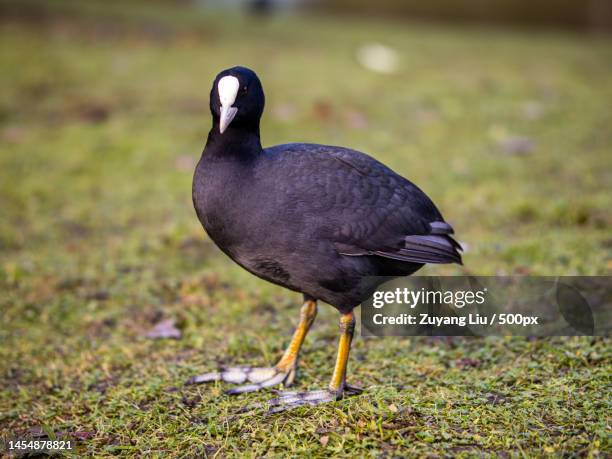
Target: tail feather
<point>438,247</point>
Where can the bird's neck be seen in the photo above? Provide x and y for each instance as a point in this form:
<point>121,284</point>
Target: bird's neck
<point>237,141</point>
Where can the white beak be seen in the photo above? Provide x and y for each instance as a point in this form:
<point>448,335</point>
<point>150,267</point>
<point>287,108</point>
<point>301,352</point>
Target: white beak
<point>228,90</point>
<point>227,115</point>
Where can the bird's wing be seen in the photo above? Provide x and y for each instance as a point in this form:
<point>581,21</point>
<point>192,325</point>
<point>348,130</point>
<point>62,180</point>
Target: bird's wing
<point>367,208</point>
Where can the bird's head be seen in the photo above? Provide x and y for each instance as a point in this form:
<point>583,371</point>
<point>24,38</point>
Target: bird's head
<point>236,98</point>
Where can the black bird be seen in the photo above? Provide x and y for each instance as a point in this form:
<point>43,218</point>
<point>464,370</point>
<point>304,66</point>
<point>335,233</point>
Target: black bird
<point>316,219</point>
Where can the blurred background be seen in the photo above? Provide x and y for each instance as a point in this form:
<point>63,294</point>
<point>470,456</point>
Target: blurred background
<point>499,110</point>
<point>590,15</point>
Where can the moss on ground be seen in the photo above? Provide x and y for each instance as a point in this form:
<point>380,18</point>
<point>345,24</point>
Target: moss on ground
<point>103,113</point>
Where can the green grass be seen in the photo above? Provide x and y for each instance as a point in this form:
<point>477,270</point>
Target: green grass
<point>103,112</point>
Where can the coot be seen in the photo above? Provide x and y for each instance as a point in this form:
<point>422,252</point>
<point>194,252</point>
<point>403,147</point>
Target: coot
<point>316,219</point>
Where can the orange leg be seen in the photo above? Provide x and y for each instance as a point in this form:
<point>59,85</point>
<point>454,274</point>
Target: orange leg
<point>289,360</point>
<point>337,386</point>
<point>347,328</point>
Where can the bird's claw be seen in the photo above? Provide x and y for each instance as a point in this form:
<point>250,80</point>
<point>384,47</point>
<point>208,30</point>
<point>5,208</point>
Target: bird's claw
<point>288,400</point>
<point>292,399</point>
<point>258,378</point>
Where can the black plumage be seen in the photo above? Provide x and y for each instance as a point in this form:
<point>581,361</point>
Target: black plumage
<point>317,219</point>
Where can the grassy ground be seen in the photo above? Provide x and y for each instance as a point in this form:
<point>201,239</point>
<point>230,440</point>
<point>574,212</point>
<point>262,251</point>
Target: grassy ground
<point>103,114</point>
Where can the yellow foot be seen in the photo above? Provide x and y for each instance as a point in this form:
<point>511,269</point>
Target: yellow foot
<point>259,378</point>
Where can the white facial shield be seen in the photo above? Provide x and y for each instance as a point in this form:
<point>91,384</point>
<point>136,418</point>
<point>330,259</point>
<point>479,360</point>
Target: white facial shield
<point>228,90</point>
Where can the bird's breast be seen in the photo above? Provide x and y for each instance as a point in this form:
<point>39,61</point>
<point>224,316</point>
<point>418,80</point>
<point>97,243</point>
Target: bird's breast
<point>217,202</point>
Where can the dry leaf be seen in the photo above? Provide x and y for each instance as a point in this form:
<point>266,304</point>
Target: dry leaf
<point>165,329</point>
<point>517,145</point>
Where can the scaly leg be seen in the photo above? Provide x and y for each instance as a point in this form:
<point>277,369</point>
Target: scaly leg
<point>337,386</point>
<point>283,372</point>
